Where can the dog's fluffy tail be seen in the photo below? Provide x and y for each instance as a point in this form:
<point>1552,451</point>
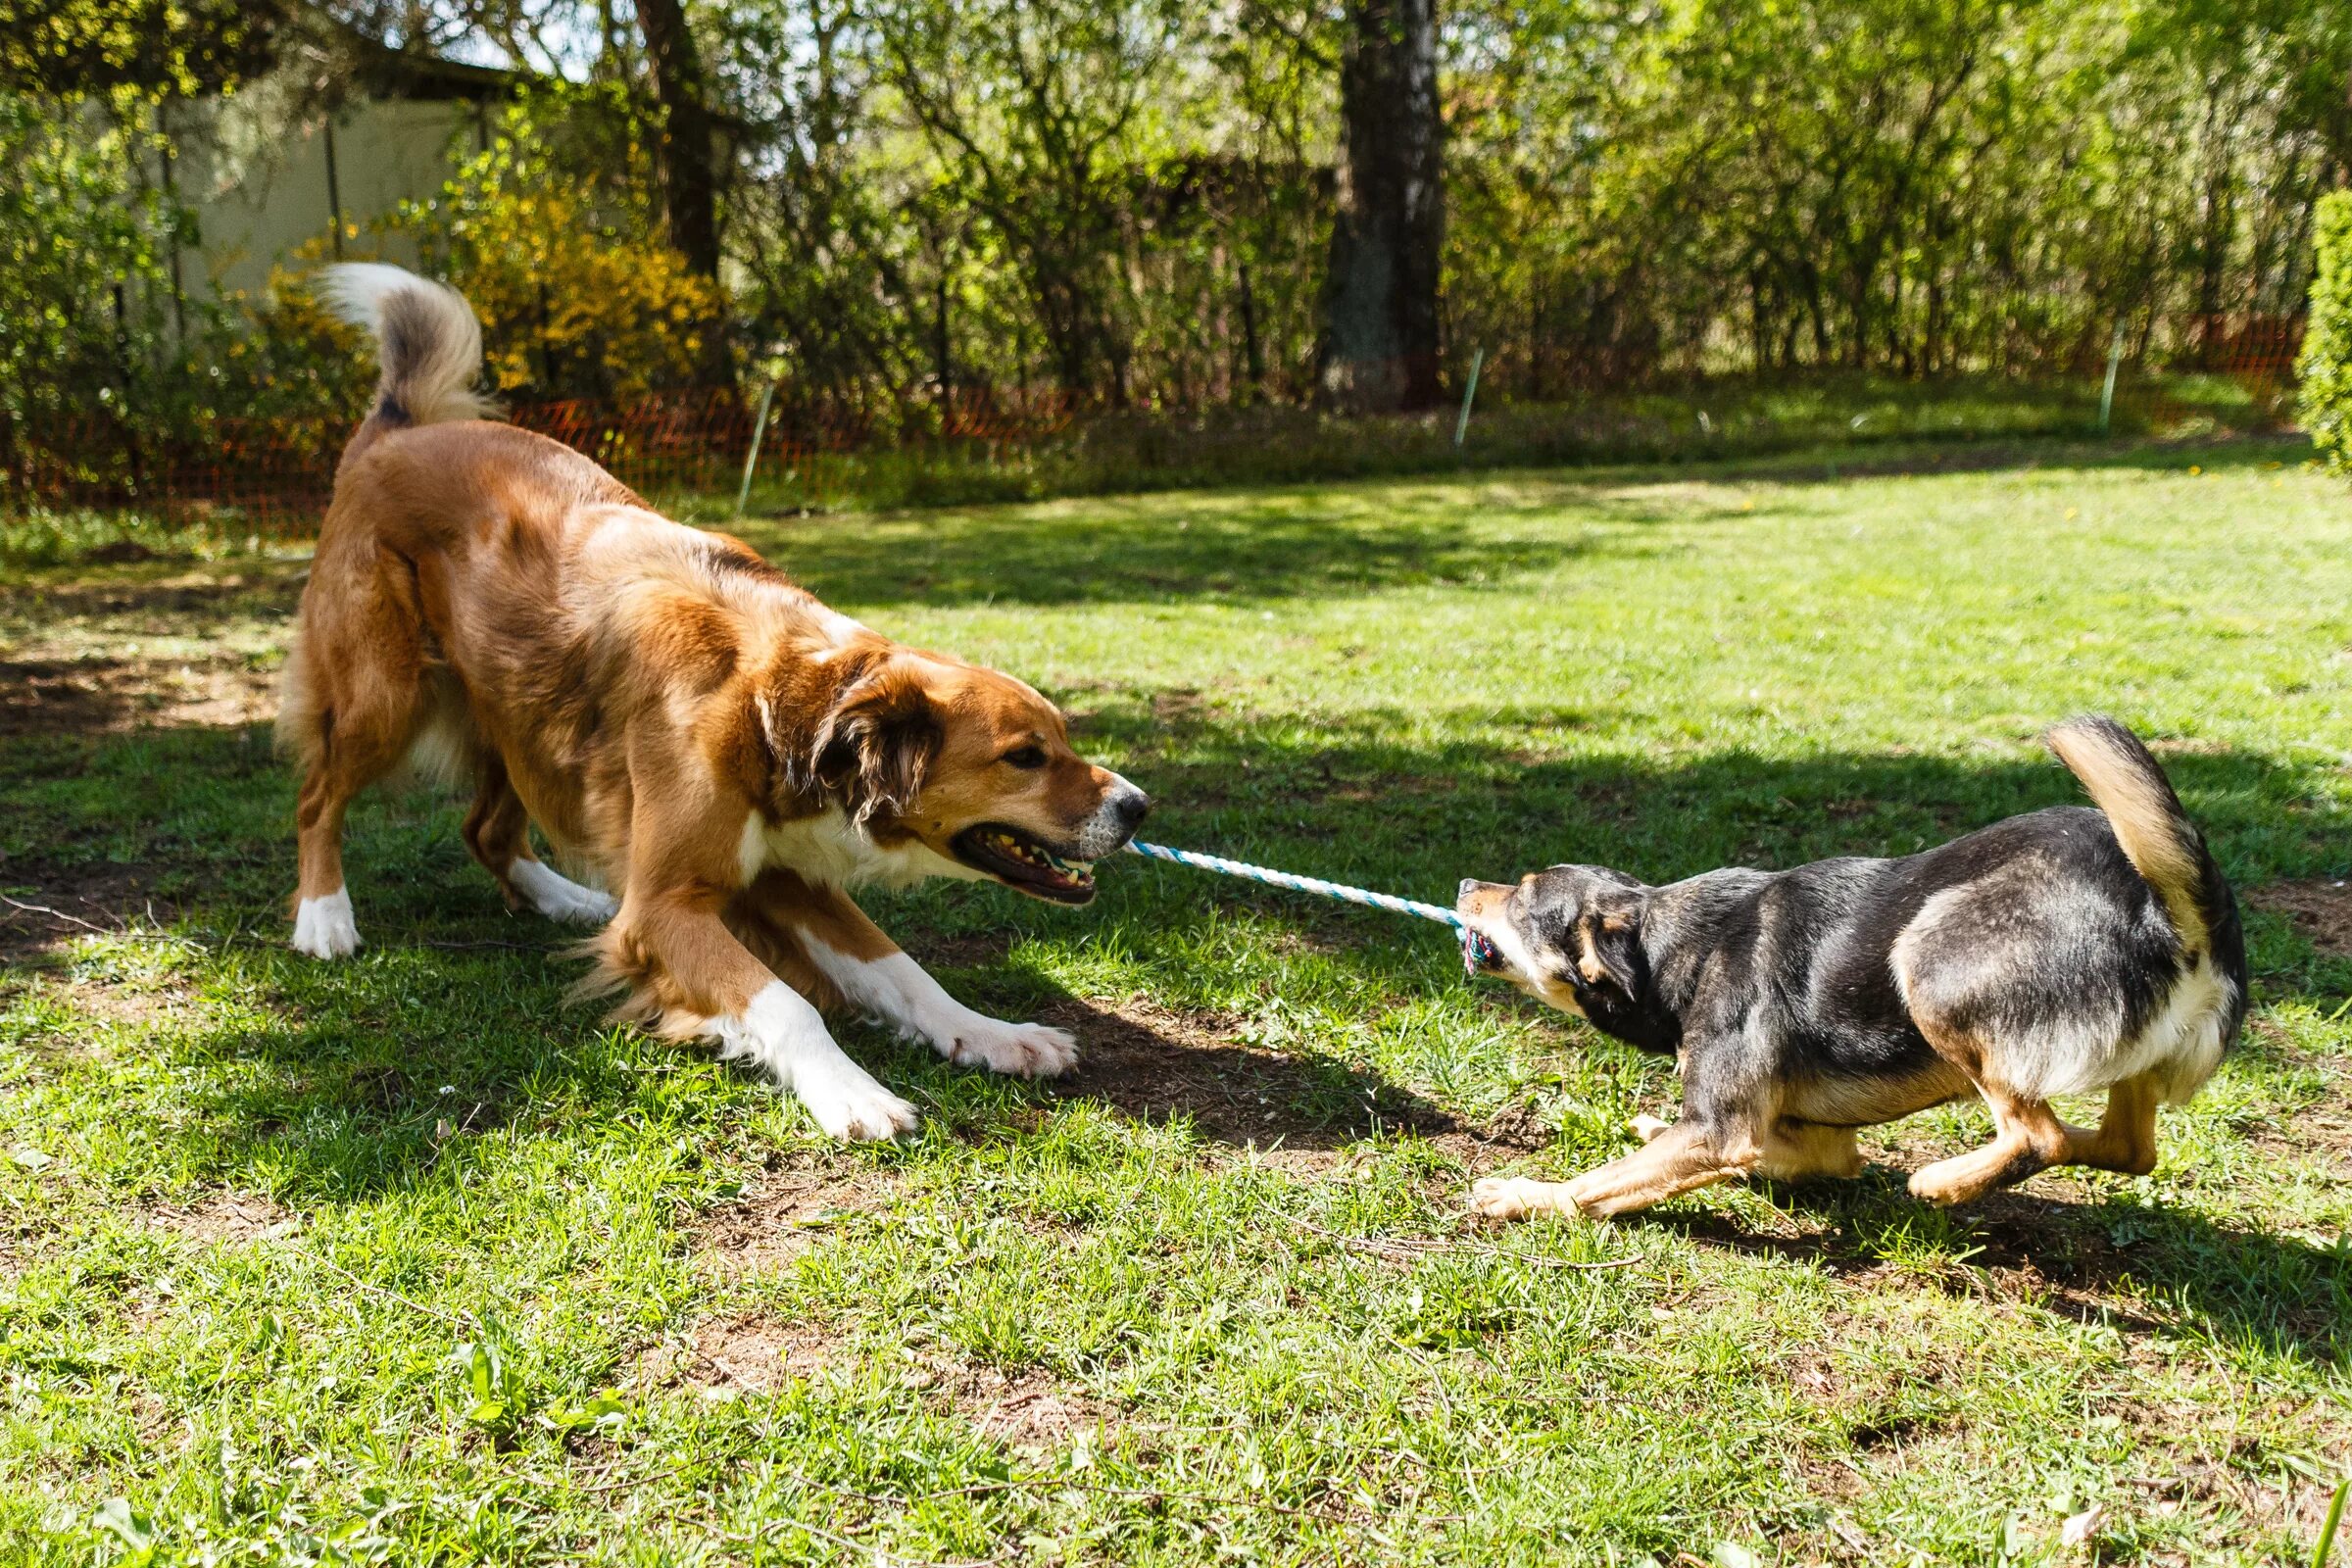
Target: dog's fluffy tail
<point>427,341</point>
<point>2163,845</point>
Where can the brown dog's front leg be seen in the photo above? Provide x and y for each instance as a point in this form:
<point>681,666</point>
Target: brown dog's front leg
<point>675,948</point>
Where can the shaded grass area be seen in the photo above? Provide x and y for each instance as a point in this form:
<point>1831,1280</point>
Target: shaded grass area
<point>404,1260</point>
<point>1705,421</point>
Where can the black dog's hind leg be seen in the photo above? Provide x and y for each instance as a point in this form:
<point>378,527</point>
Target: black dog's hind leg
<point>2027,1137</point>
<point>1803,1151</point>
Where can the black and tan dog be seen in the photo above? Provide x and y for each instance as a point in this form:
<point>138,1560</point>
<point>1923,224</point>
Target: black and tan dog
<point>2059,953</point>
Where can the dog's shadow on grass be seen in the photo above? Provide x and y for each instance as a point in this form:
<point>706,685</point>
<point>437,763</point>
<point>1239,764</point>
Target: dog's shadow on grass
<point>2151,1272</point>
<point>402,1058</point>
<point>1159,1066</point>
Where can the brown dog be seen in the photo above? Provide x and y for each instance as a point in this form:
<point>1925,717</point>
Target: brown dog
<point>727,754</point>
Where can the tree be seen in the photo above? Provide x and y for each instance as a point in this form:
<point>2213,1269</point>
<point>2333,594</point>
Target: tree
<point>1035,108</point>
<point>689,137</point>
<point>1381,329</point>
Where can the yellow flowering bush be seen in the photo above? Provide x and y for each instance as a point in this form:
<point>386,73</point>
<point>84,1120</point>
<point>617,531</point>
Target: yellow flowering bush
<point>578,295</point>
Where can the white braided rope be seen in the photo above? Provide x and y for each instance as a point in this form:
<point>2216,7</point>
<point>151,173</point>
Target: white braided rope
<point>1301,884</point>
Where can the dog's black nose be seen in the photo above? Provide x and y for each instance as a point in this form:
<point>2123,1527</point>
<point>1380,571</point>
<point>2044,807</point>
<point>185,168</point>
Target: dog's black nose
<point>1132,806</point>
<point>1463,891</point>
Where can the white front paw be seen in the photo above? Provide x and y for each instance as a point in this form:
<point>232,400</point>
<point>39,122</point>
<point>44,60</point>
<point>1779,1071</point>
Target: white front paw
<point>1023,1050</point>
<point>851,1106</point>
<point>324,927</point>
<point>558,897</point>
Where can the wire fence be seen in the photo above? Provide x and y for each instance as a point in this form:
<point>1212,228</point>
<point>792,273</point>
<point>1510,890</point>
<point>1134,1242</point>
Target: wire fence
<point>274,478</point>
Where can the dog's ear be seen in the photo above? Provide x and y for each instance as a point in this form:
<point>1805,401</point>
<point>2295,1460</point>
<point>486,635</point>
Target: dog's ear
<point>1608,945</point>
<point>874,748</point>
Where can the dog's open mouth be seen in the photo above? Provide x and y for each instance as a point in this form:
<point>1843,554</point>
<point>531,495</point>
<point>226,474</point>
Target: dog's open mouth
<point>1018,860</point>
<point>1478,953</point>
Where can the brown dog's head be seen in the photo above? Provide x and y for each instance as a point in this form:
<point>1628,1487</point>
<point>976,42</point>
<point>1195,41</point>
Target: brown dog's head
<point>1570,937</point>
<point>972,765</point>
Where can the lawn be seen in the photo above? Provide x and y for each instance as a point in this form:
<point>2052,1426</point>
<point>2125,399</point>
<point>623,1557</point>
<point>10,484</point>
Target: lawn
<point>407,1260</point>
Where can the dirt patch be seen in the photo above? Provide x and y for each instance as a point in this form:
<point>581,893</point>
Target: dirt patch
<point>226,1218</point>
<point>746,1353</point>
<point>162,603</point>
<point>1022,1409</point>
<point>1028,1411</point>
<point>958,952</point>
<point>781,1218</point>
<point>2320,909</point>
<point>1301,1162</point>
<point>1388,787</point>
<point>1154,1063</point>
<point>1173,705</point>
<point>42,906</point>
<point>109,696</point>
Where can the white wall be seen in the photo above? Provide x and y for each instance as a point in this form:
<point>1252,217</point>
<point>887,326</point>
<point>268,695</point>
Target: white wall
<point>259,189</point>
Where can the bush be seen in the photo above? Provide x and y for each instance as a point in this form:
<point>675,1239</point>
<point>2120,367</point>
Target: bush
<point>2326,366</point>
<point>579,294</point>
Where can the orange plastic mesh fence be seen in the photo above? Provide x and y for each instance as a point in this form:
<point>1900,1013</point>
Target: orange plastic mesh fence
<point>274,476</point>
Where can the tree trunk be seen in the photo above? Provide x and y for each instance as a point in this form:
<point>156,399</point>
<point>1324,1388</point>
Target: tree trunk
<point>2213,240</point>
<point>1380,298</point>
<point>690,182</point>
<point>1253,356</point>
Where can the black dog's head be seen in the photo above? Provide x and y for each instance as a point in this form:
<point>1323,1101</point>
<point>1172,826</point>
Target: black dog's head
<point>1570,937</point>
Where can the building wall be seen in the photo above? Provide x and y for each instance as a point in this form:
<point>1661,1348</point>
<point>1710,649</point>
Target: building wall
<point>259,192</point>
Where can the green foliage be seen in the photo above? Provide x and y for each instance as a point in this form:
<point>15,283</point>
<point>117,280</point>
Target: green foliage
<point>1131,203</point>
<point>2326,361</point>
<point>78,237</point>
<point>145,47</point>
<point>553,236</point>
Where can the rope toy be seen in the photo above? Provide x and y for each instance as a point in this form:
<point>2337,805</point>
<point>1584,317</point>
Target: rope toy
<point>1477,951</point>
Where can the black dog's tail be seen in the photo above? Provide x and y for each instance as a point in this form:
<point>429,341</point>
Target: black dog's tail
<point>428,347</point>
<point>2157,837</point>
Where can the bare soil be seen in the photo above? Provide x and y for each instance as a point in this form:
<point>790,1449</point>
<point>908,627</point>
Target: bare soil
<point>110,696</point>
<point>2320,909</point>
<point>1154,1063</point>
<point>777,1221</point>
<point>42,906</point>
<point>226,1218</point>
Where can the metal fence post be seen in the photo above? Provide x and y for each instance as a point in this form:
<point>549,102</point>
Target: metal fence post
<point>2115,357</point>
<point>1461,426</point>
<point>751,459</point>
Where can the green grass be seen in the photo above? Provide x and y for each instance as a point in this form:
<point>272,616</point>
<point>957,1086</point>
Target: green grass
<point>508,1285</point>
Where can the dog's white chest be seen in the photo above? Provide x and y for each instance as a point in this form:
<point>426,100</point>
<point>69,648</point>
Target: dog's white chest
<point>831,851</point>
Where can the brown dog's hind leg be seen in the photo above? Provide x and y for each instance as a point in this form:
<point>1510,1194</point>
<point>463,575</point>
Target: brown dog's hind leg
<point>498,830</point>
<point>1679,1159</point>
<point>497,827</point>
<point>361,707</point>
